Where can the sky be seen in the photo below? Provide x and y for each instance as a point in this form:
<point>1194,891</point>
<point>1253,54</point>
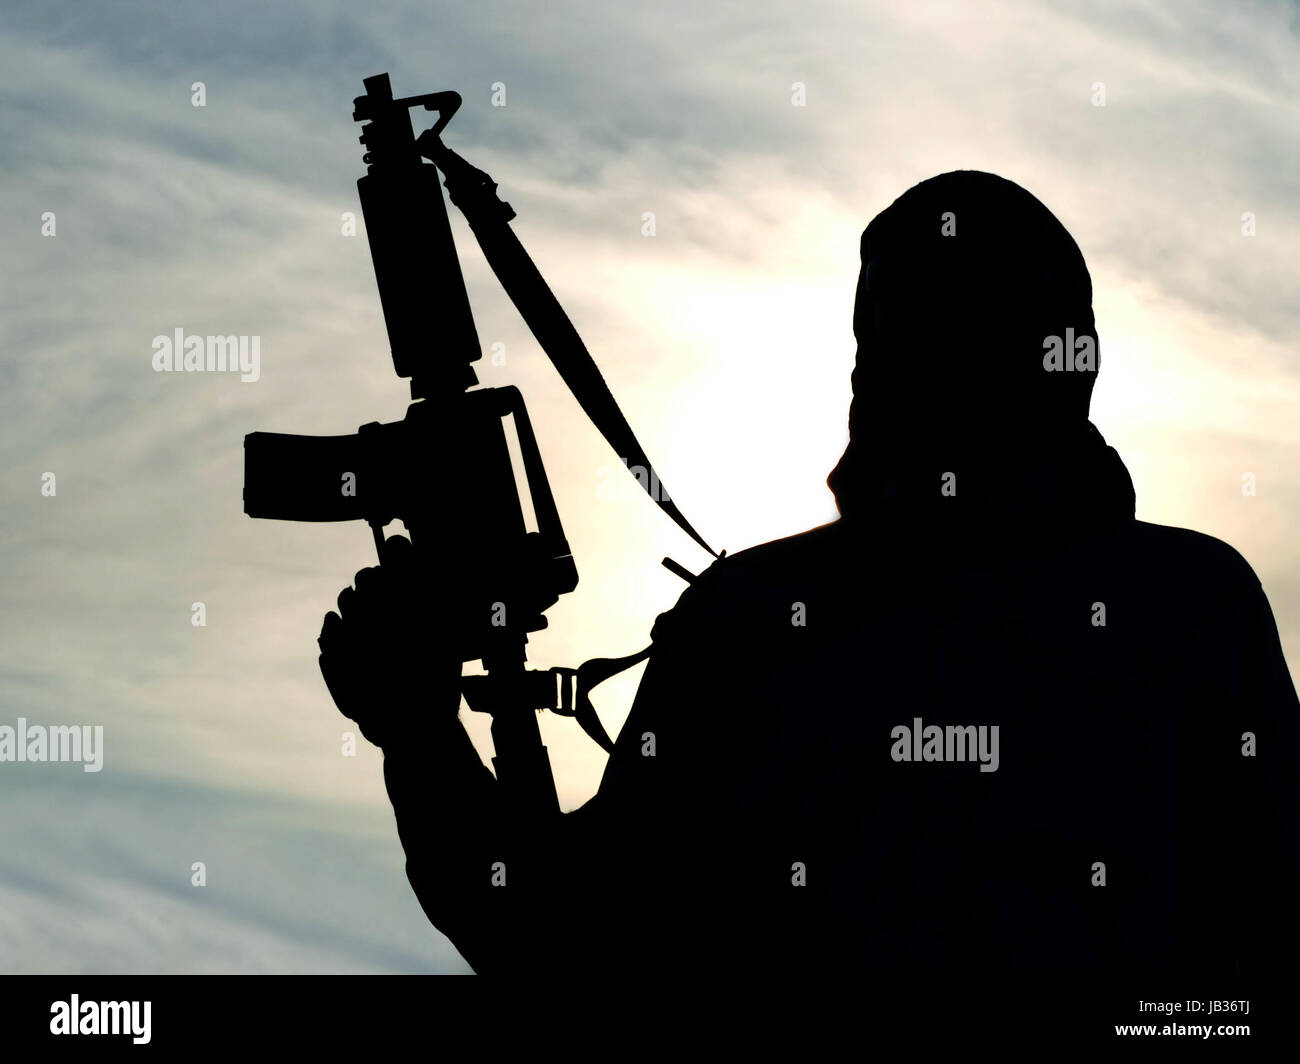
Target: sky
<point>726,336</point>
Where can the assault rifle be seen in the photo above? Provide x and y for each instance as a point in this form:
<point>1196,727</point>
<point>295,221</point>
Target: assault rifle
<point>445,469</point>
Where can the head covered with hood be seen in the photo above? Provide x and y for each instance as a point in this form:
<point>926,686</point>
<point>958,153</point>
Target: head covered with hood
<point>977,354</point>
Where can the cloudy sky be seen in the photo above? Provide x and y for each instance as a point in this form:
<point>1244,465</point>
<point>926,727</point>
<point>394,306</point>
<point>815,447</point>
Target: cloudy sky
<point>726,336</point>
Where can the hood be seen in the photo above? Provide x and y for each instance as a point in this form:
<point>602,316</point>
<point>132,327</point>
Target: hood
<point>977,354</point>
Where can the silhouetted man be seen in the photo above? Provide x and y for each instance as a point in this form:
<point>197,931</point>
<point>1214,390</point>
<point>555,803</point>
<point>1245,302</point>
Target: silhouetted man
<point>985,723</point>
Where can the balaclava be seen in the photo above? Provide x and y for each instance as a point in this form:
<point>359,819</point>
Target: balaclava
<point>977,354</point>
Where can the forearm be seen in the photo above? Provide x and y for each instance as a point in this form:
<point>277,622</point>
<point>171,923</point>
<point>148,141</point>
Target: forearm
<point>484,881</point>
<point>444,802</point>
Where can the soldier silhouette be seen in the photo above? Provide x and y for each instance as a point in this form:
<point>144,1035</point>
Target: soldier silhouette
<point>806,781</point>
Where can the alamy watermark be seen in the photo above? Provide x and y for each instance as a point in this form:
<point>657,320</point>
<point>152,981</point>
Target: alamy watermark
<point>102,1017</point>
<point>58,742</point>
<point>612,484</point>
<point>953,742</point>
<point>179,353</point>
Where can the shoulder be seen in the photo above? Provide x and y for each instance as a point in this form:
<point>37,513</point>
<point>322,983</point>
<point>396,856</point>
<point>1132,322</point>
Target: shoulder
<point>742,585</point>
<point>1189,579</point>
<point>1183,552</point>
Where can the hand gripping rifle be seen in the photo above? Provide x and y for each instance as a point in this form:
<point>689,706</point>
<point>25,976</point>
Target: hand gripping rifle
<point>445,469</point>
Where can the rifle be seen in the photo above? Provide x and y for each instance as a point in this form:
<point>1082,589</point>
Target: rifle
<point>445,469</point>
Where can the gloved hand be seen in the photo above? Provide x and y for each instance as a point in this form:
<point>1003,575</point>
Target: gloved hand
<point>380,653</point>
